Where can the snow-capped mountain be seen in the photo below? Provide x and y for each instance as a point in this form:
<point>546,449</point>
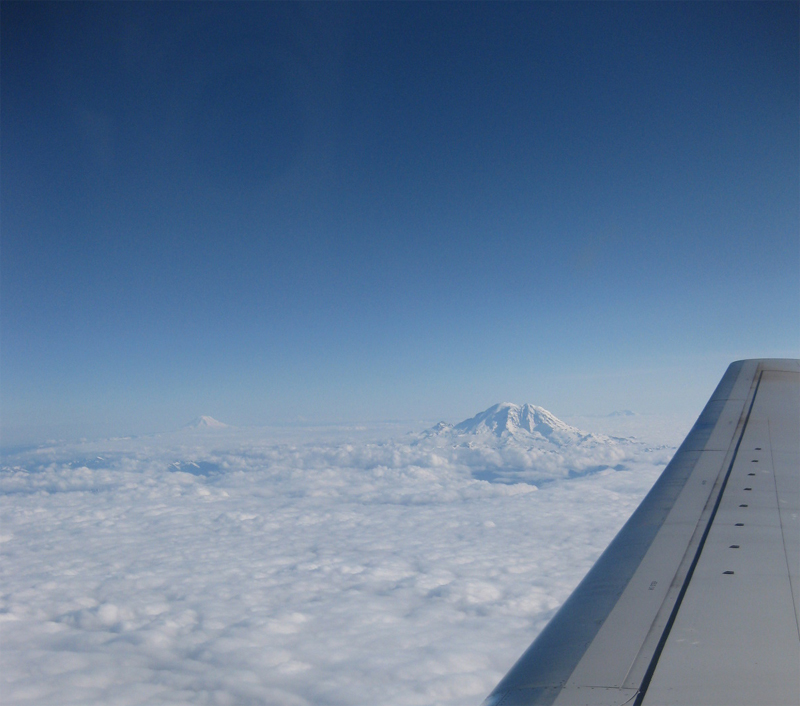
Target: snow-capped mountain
<point>511,418</point>
<point>522,423</point>
<point>205,422</point>
<point>509,443</point>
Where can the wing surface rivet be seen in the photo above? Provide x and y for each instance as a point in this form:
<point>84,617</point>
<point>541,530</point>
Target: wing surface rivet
<point>727,572</point>
<point>734,546</point>
<point>739,524</point>
<point>743,505</point>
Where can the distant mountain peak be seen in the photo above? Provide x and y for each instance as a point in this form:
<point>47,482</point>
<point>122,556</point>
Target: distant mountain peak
<point>440,428</point>
<point>506,417</point>
<point>205,422</point>
<point>527,423</point>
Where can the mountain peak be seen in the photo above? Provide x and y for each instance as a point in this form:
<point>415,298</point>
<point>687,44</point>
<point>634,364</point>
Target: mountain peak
<point>205,422</point>
<point>508,418</point>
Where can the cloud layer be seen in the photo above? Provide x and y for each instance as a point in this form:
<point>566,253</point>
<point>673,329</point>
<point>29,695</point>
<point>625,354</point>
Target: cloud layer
<point>329,567</point>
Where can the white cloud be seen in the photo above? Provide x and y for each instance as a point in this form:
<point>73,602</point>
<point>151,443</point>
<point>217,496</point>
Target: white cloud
<point>331,568</point>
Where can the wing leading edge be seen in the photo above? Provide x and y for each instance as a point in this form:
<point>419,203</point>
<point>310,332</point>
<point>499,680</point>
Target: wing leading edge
<point>696,600</point>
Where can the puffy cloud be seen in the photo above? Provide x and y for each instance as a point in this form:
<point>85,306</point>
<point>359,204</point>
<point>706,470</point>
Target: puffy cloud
<point>323,568</point>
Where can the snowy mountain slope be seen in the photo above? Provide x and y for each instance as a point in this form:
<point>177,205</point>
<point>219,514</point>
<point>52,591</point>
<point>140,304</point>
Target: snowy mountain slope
<point>509,443</point>
<point>205,422</point>
<point>511,419</point>
<point>526,423</point>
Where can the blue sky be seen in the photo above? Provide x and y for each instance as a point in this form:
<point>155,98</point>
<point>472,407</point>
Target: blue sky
<point>271,213</point>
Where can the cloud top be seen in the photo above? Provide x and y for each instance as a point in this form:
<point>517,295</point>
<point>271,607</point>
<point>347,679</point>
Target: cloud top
<point>296,567</point>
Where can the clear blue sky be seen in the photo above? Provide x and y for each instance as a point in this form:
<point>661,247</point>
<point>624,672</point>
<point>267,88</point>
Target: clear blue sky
<point>268,212</point>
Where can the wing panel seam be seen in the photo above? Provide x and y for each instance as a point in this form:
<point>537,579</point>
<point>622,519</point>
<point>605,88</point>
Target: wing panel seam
<point>783,533</point>
<point>668,627</point>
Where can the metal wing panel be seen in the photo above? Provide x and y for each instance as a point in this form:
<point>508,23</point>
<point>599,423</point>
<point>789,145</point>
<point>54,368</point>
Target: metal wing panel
<point>600,646</point>
<point>735,639</point>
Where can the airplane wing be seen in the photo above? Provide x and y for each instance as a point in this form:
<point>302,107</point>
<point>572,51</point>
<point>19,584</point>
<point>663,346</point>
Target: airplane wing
<point>697,600</point>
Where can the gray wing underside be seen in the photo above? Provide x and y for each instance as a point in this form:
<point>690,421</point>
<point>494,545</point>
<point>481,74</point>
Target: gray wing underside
<point>696,599</point>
